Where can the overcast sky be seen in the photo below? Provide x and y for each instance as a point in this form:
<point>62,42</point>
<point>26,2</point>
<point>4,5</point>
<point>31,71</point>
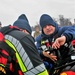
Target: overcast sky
<point>11,9</point>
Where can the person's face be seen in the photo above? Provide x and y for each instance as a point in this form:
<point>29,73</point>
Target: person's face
<point>25,31</point>
<point>37,29</point>
<point>49,29</point>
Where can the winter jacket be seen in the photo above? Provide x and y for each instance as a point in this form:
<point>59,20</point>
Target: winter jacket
<point>68,31</point>
<point>28,60</point>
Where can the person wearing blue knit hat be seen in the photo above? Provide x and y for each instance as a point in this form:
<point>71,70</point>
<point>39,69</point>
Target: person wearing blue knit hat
<point>53,36</point>
<point>23,23</point>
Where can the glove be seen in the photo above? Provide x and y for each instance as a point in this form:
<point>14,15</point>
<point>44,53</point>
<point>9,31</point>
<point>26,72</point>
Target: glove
<point>2,70</point>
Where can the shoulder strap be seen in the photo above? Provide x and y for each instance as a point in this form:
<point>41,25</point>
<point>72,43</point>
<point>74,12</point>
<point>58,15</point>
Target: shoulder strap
<point>8,29</point>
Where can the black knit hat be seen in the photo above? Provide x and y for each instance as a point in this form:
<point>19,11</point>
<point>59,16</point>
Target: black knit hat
<point>23,23</point>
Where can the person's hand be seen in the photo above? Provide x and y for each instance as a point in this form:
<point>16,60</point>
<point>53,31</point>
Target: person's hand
<point>51,56</point>
<point>59,42</point>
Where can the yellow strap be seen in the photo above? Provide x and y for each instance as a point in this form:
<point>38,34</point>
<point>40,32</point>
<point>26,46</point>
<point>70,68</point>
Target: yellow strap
<point>44,73</point>
<point>22,66</point>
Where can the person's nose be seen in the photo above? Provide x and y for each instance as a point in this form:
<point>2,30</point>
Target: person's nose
<point>47,26</point>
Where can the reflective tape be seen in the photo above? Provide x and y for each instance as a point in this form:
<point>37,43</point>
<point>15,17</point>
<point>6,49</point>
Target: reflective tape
<point>39,70</point>
<point>20,54</point>
<point>23,59</point>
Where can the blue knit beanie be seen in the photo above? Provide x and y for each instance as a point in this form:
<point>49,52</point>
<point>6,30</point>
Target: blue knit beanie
<point>23,23</point>
<point>46,20</point>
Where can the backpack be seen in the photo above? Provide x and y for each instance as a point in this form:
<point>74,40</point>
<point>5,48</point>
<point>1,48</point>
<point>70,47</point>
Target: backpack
<point>7,55</point>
